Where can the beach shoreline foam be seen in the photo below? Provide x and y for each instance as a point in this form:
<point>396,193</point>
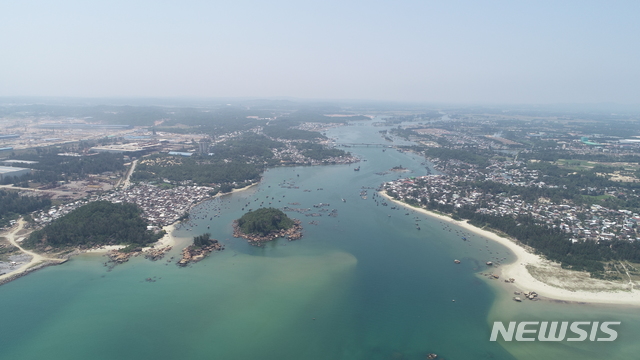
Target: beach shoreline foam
<point>525,260</point>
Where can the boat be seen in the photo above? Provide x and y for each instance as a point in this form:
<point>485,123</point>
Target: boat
<point>343,200</point>
<point>489,263</point>
<point>456,261</point>
<point>357,169</point>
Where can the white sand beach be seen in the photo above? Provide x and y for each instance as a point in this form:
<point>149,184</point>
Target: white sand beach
<point>558,284</point>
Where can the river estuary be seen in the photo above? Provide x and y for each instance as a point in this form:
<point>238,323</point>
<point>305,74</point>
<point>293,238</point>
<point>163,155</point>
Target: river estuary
<point>365,284</point>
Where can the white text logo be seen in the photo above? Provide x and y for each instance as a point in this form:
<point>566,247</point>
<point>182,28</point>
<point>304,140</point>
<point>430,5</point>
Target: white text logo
<point>555,331</point>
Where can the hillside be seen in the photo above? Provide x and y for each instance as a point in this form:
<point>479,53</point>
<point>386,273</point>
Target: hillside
<point>97,223</point>
<point>264,221</point>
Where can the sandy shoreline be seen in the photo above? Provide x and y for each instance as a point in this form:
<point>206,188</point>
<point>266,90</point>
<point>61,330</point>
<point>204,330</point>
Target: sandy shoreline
<point>168,239</point>
<point>39,261</point>
<point>524,280</point>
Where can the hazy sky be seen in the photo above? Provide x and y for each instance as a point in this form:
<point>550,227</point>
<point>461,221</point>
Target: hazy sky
<point>433,51</point>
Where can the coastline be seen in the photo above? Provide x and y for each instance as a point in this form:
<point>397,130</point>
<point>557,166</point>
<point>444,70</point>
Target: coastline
<point>525,281</point>
<point>36,262</point>
<point>168,239</point>
<point>39,261</point>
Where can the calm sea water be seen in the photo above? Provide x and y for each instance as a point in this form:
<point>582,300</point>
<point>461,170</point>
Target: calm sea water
<point>363,285</point>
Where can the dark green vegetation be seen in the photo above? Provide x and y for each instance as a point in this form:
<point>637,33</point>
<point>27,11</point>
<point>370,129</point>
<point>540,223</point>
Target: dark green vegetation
<point>248,147</point>
<point>12,205</point>
<point>264,221</point>
<point>215,121</point>
<point>239,160</point>
<point>284,132</point>
<point>201,171</point>
<point>225,188</point>
<point>52,167</point>
<point>319,152</point>
<point>202,240</point>
<point>97,223</point>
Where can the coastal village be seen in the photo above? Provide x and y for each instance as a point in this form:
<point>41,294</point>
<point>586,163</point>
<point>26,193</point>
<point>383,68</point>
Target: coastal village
<point>160,206</point>
<point>593,223</point>
<point>454,182</point>
<point>467,184</point>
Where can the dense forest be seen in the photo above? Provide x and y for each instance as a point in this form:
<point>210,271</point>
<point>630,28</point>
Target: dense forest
<point>12,205</point>
<point>199,172</point>
<point>97,223</point>
<point>239,160</point>
<point>318,151</point>
<point>264,221</point>
<point>247,146</point>
<point>284,132</point>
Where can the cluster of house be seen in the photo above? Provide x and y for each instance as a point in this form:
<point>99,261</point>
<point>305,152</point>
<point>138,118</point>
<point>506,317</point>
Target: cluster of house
<point>160,206</point>
<point>595,222</point>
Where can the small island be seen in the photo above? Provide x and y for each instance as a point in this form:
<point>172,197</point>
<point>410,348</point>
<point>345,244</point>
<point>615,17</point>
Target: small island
<point>399,168</point>
<point>266,224</point>
<point>202,246</point>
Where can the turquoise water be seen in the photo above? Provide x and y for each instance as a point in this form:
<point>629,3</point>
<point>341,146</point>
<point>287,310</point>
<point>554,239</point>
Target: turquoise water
<point>363,285</point>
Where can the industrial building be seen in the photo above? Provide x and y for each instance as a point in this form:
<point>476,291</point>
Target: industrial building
<point>9,136</point>
<point>130,149</point>
<point>18,162</point>
<point>8,171</point>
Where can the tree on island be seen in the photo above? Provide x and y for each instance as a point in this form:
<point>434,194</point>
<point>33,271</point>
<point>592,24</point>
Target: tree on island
<point>264,221</point>
<point>202,246</point>
<point>202,240</point>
